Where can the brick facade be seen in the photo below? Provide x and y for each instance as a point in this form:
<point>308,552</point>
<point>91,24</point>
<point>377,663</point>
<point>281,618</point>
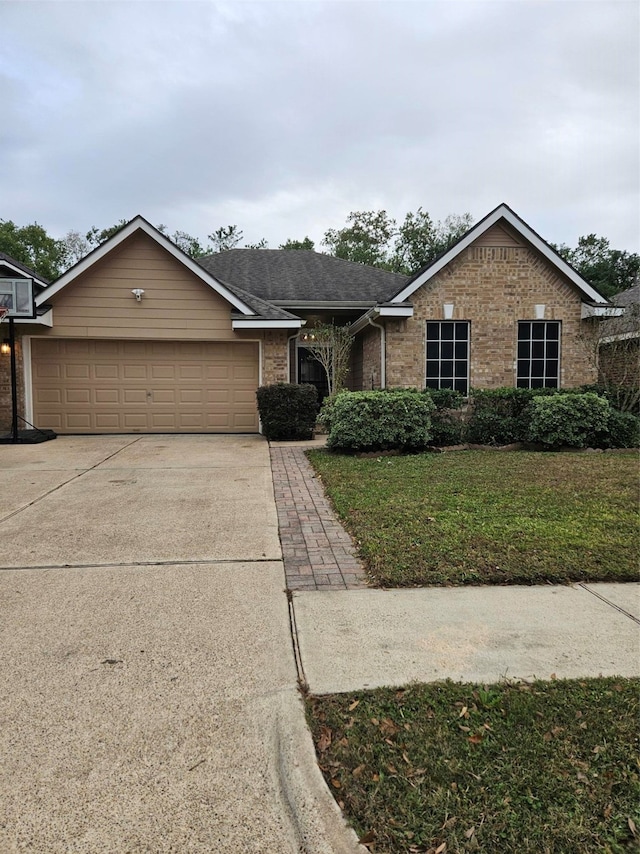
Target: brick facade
<point>371,366</point>
<point>5,383</point>
<point>274,356</point>
<point>492,288</point>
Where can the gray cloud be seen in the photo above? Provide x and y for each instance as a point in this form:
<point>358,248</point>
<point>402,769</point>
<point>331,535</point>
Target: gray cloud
<point>283,117</point>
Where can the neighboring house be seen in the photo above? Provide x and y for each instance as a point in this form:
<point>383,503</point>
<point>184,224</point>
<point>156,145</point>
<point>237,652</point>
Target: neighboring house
<point>619,342</point>
<point>138,337</point>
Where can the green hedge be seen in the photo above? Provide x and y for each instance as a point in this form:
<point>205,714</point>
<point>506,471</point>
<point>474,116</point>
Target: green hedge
<point>287,411</point>
<point>574,420</point>
<point>380,420</point>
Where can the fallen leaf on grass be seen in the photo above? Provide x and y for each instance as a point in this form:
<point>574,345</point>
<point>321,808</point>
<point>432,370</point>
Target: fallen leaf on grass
<point>632,828</point>
<point>324,742</point>
<point>358,771</point>
<point>469,833</point>
<point>477,738</point>
<point>368,838</point>
<point>608,810</point>
<point>354,705</point>
<point>336,783</point>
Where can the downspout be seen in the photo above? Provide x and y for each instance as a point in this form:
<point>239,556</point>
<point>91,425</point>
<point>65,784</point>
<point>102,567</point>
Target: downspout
<point>383,352</point>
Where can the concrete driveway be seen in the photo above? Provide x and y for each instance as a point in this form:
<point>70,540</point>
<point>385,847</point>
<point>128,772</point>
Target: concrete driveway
<point>149,699</point>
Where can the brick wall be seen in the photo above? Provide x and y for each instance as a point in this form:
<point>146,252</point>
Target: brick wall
<point>370,374</point>
<point>274,356</point>
<point>5,383</point>
<point>493,288</point>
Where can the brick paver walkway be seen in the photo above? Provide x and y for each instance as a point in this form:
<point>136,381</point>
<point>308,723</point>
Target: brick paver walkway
<point>317,551</point>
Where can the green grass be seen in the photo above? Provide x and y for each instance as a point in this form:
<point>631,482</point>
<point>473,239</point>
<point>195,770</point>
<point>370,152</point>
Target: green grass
<point>547,767</point>
<point>479,517</point>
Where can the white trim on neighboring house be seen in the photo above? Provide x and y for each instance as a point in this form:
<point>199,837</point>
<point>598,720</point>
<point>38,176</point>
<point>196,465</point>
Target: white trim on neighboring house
<point>45,319</point>
<point>501,212</point>
<point>623,336</point>
<point>22,274</point>
<point>241,323</point>
<point>601,311</point>
<point>141,224</point>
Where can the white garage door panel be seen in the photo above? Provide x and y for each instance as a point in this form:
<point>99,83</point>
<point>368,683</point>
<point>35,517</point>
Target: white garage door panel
<point>85,386</point>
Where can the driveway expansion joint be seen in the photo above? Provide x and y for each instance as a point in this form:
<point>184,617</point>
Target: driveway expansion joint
<point>318,553</point>
<point>609,602</point>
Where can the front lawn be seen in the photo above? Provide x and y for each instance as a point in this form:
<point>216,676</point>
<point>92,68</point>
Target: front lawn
<point>481,517</point>
<point>547,767</point>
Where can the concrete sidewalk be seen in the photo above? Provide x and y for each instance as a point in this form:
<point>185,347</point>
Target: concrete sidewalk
<point>350,640</point>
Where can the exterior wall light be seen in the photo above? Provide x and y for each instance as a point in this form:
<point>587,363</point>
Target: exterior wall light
<point>5,347</point>
<point>447,310</point>
<point>539,310</point>
<point>137,292</point>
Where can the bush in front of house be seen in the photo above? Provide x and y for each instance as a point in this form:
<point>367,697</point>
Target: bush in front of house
<point>446,428</point>
<point>572,420</point>
<point>500,416</point>
<point>623,431</point>
<point>287,411</point>
<point>380,421</point>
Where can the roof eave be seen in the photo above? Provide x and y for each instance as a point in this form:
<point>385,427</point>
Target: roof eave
<point>503,211</point>
<point>139,223</point>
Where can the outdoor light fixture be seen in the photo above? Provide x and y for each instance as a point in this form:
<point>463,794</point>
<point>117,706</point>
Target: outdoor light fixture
<point>137,292</point>
<point>447,310</point>
<point>5,347</point>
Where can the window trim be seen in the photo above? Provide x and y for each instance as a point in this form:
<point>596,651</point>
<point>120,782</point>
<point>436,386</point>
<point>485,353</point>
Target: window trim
<point>546,323</point>
<point>468,341</point>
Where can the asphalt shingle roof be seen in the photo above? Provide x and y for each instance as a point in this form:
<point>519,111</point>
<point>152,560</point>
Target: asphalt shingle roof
<point>294,275</point>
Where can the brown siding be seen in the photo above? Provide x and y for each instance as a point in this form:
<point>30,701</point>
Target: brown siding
<point>176,303</point>
<point>493,288</point>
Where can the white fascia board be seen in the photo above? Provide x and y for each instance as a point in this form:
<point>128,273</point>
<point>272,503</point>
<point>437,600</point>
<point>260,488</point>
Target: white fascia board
<point>394,310</point>
<point>21,274</point>
<point>45,319</point>
<point>140,224</point>
<point>601,311</point>
<point>241,323</point>
<point>502,212</point>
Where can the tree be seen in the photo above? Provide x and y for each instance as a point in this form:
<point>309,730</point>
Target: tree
<point>420,241</point>
<point>95,236</point>
<point>190,245</point>
<point>261,244</point>
<point>33,247</point>
<point>331,346</point>
<point>364,239</point>
<point>77,246</point>
<point>610,271</point>
<point>225,237</point>
<point>307,243</point>
<point>371,237</point>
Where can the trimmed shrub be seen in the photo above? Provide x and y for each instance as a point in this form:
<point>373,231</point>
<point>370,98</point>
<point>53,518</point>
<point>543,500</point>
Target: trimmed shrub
<point>445,398</point>
<point>446,428</point>
<point>500,416</point>
<point>325,416</point>
<point>380,420</point>
<point>623,430</point>
<point>575,420</point>
<point>287,411</point>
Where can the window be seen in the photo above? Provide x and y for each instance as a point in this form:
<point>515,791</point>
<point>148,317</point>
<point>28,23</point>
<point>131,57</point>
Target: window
<point>448,355</point>
<point>538,354</point>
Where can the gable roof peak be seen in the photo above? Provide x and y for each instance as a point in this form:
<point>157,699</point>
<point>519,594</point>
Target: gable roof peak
<point>501,212</point>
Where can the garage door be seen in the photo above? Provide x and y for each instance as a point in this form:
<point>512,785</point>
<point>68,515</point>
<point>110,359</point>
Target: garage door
<point>85,386</point>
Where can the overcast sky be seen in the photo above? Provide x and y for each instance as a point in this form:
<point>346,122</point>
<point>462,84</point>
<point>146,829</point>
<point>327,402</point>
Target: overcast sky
<point>282,117</point>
